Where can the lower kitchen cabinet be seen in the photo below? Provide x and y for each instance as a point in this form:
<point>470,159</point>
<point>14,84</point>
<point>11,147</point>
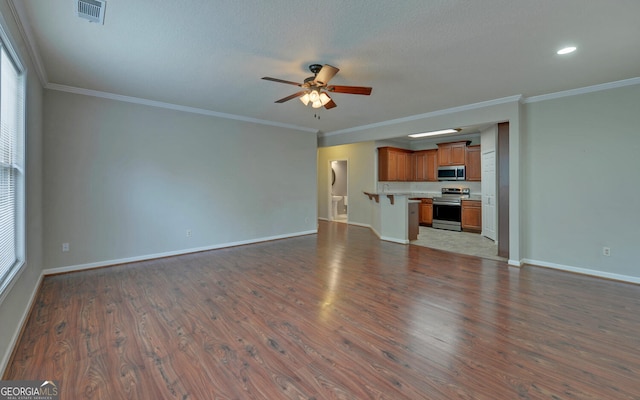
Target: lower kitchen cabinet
<point>426,212</point>
<point>471,216</point>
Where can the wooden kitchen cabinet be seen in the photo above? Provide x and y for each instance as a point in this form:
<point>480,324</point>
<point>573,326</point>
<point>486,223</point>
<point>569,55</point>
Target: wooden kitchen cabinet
<point>472,162</point>
<point>394,164</point>
<point>426,212</point>
<point>425,165</point>
<point>471,216</point>
<point>405,165</point>
<point>452,153</point>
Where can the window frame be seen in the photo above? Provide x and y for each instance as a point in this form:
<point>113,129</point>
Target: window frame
<point>14,272</point>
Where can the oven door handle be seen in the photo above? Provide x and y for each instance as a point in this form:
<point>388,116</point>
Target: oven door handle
<point>446,203</point>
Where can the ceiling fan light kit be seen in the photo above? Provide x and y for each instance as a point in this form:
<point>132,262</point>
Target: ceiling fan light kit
<point>316,99</point>
<point>313,86</point>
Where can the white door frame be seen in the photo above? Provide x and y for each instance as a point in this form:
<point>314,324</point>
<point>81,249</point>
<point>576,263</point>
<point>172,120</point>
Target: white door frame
<point>330,181</point>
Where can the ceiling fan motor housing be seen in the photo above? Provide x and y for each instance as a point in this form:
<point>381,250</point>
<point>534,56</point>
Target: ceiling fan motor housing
<point>315,68</point>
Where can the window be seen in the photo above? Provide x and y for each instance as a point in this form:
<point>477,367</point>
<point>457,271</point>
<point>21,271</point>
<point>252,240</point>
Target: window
<point>11,165</point>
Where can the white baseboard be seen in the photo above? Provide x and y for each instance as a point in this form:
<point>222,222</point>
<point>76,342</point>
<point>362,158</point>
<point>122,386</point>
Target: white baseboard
<point>359,224</point>
<point>364,226</point>
<point>394,240</point>
<point>515,263</point>
<point>106,263</point>
<point>583,271</point>
<point>375,232</point>
<point>23,320</point>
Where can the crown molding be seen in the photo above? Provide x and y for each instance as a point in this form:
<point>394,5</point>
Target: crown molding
<point>583,90</point>
<point>24,28</point>
<point>488,103</point>
<point>170,106</point>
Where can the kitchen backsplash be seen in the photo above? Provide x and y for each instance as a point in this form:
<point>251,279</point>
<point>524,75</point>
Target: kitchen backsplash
<point>431,187</point>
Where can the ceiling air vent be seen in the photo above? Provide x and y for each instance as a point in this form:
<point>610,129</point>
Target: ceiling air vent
<point>91,10</point>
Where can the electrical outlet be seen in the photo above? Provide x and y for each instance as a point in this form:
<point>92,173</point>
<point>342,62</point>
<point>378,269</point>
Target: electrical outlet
<point>189,234</point>
<point>65,247</point>
<point>606,251</point>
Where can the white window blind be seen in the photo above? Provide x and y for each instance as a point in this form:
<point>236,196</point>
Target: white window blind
<point>11,169</point>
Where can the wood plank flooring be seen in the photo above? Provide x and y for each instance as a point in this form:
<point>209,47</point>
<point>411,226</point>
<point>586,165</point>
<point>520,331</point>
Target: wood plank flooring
<point>338,315</point>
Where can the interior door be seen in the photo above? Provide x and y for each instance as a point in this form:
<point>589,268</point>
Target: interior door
<point>489,195</point>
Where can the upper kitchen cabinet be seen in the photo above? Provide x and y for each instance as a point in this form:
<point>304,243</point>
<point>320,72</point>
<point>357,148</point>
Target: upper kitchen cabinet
<point>452,153</point>
<point>426,165</point>
<point>472,162</point>
<point>394,164</point>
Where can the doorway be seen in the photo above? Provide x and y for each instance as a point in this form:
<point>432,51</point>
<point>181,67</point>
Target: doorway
<point>493,242</point>
<point>339,193</point>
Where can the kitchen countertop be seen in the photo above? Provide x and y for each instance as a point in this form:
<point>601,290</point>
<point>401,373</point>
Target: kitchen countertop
<point>424,195</point>
<point>420,195</point>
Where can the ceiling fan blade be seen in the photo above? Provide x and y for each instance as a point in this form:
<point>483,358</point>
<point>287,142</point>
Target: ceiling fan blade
<point>350,89</point>
<point>293,96</point>
<point>266,78</point>
<point>326,73</point>
<point>330,105</point>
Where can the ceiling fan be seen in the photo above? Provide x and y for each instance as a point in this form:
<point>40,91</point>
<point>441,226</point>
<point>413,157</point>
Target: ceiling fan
<point>315,87</point>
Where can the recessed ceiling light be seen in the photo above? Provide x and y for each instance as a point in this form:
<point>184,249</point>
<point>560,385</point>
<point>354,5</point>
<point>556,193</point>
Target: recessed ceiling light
<point>442,132</point>
<point>567,50</point>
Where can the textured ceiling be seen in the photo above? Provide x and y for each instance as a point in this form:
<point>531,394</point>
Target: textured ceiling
<point>419,56</point>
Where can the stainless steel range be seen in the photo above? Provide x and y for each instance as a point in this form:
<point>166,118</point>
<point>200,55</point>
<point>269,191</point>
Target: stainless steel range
<point>447,209</point>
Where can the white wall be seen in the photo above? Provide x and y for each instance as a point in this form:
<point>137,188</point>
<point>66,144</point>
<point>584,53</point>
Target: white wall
<point>489,139</point>
<point>581,159</point>
<point>126,180</point>
<point>15,305</point>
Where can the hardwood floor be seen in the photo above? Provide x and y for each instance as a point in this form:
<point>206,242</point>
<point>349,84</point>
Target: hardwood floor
<point>338,315</point>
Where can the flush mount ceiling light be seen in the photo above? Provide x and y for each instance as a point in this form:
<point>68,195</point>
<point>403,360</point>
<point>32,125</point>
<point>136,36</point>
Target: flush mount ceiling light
<point>434,133</point>
<point>566,50</point>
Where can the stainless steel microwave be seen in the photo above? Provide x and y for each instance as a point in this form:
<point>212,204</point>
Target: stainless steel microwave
<point>451,173</point>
